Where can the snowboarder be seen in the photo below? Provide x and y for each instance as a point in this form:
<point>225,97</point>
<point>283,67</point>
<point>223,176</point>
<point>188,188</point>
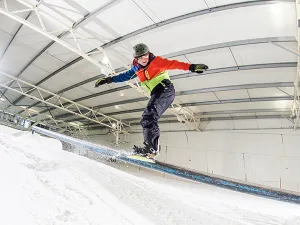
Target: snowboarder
<point>152,73</point>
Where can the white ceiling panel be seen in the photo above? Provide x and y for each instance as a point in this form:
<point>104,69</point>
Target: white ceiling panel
<point>261,53</point>
<point>48,62</point>
<point>90,87</point>
<point>287,90</point>
<point>57,50</point>
<point>214,3</point>
<point>244,106</point>
<point>91,5</point>
<point>289,45</point>
<point>84,70</point>
<point>99,100</point>
<point>52,20</point>
<point>236,78</point>
<point>103,34</point>
<point>16,57</point>
<point>242,114</point>
<point>130,106</point>
<point>271,113</point>
<point>85,45</point>
<point>203,97</point>
<point>129,94</point>
<point>75,13</point>
<point>234,94</point>
<point>123,24</point>
<point>4,40</point>
<point>111,109</point>
<point>33,74</point>
<point>158,7</point>
<point>241,19</point>
<point>67,57</point>
<point>60,82</point>
<point>11,95</point>
<point>215,116</point>
<point>7,24</point>
<point>76,93</point>
<point>119,57</point>
<point>265,92</point>
<point>216,58</point>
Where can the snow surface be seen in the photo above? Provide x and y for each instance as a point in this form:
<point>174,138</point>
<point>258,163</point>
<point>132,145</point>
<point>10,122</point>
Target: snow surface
<point>43,184</point>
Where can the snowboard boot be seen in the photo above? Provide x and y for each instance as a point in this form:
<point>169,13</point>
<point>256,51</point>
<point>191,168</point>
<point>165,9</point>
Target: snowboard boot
<point>145,151</point>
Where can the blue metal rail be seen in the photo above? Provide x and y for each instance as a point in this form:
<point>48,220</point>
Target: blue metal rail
<point>173,170</point>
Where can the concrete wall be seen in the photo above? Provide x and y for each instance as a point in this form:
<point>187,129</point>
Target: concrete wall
<point>269,157</point>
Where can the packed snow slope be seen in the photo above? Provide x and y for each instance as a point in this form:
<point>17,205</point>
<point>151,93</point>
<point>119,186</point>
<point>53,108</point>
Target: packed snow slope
<point>43,184</point>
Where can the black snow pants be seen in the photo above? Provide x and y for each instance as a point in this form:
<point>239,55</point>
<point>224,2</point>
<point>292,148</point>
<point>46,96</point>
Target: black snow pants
<point>162,97</point>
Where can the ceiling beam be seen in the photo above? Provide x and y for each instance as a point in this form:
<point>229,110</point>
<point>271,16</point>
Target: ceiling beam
<point>195,91</point>
<point>169,21</point>
<point>243,100</point>
<point>75,25</point>
<point>208,119</point>
<point>190,15</point>
<point>180,76</point>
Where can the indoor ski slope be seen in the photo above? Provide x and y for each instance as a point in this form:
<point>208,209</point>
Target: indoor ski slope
<point>42,184</point>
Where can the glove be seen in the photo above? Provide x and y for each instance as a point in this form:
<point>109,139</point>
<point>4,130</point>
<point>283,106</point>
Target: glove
<point>198,68</point>
<point>101,81</point>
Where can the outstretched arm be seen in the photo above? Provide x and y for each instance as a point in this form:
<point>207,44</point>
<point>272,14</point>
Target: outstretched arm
<point>130,74</point>
<point>167,64</point>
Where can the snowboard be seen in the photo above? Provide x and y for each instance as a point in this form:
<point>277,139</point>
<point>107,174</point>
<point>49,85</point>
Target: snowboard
<point>141,158</point>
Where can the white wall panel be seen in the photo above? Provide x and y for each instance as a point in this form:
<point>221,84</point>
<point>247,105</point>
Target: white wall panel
<point>245,124</point>
<point>266,144</point>
<point>290,186</point>
<point>198,160</point>
<point>264,168</point>
<point>226,164</point>
<point>221,125</point>
<point>195,142</point>
<point>290,143</point>
<point>177,139</point>
<point>174,152</point>
<point>258,157</point>
<point>291,170</point>
<point>271,123</point>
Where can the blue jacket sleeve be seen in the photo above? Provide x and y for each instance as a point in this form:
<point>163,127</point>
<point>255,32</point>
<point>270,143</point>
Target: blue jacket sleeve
<point>130,74</point>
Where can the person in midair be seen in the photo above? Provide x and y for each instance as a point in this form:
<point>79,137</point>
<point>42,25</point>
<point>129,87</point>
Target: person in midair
<point>152,72</point>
